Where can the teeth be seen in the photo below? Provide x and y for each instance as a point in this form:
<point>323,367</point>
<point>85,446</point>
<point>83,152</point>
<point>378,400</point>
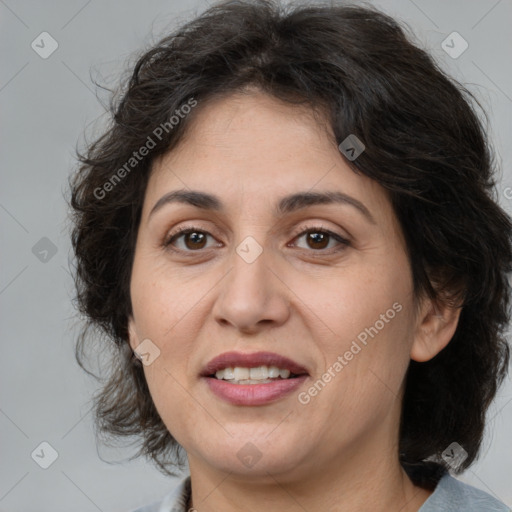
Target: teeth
<point>284,374</point>
<point>257,375</point>
<point>241,373</point>
<point>228,374</point>
<point>273,372</point>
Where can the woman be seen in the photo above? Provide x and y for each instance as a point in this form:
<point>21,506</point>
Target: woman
<point>289,238</point>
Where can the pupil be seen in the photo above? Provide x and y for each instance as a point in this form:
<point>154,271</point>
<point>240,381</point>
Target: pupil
<point>195,236</point>
<point>318,238</point>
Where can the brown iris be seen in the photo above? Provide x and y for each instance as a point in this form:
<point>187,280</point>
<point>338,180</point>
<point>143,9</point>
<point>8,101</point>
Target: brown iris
<point>197,239</point>
<point>317,239</point>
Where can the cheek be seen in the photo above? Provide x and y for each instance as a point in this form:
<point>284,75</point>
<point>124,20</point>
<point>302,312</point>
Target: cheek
<point>343,305</point>
<point>164,313</point>
<point>163,297</point>
<point>175,405</point>
<point>364,333</point>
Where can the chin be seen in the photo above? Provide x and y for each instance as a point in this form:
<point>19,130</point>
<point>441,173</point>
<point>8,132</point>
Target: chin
<point>256,455</point>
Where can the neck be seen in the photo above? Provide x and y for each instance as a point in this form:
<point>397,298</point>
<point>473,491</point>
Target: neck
<point>378,484</point>
<point>363,473</point>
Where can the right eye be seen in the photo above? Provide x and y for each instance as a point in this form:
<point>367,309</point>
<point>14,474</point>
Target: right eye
<point>194,239</point>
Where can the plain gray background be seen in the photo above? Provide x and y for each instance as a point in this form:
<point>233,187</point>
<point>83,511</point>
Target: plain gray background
<point>45,106</point>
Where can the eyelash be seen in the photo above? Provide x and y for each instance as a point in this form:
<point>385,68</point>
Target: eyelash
<point>344,243</point>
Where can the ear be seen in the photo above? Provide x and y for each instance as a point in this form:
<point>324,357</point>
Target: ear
<point>436,325</point>
<point>132,334</point>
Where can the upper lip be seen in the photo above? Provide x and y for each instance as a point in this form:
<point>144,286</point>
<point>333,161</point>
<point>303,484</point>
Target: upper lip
<point>232,359</point>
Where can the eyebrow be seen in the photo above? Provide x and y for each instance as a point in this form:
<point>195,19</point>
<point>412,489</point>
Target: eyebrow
<point>286,205</point>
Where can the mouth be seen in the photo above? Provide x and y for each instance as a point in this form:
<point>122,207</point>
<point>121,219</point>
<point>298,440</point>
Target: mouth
<point>257,375</point>
<point>256,368</point>
<point>253,379</point>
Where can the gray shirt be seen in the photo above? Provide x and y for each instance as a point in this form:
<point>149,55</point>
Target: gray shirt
<point>450,495</point>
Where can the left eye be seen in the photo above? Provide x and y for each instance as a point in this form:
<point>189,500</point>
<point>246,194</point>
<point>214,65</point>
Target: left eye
<point>319,238</point>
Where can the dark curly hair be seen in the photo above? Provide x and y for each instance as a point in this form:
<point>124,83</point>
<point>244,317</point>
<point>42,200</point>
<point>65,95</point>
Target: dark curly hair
<point>425,144</point>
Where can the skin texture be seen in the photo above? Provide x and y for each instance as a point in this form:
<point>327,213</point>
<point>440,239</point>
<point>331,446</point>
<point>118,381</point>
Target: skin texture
<point>305,301</point>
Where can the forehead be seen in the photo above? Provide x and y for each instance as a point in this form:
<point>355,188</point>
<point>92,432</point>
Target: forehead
<point>256,147</point>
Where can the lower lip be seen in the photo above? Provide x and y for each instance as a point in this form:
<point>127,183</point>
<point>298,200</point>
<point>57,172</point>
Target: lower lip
<point>254,394</point>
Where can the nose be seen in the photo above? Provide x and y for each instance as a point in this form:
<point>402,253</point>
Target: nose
<point>253,295</point>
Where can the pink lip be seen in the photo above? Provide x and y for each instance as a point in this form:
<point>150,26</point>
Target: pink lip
<point>253,394</point>
<point>232,359</point>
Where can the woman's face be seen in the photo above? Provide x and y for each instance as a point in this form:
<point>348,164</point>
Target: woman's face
<point>258,275</point>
